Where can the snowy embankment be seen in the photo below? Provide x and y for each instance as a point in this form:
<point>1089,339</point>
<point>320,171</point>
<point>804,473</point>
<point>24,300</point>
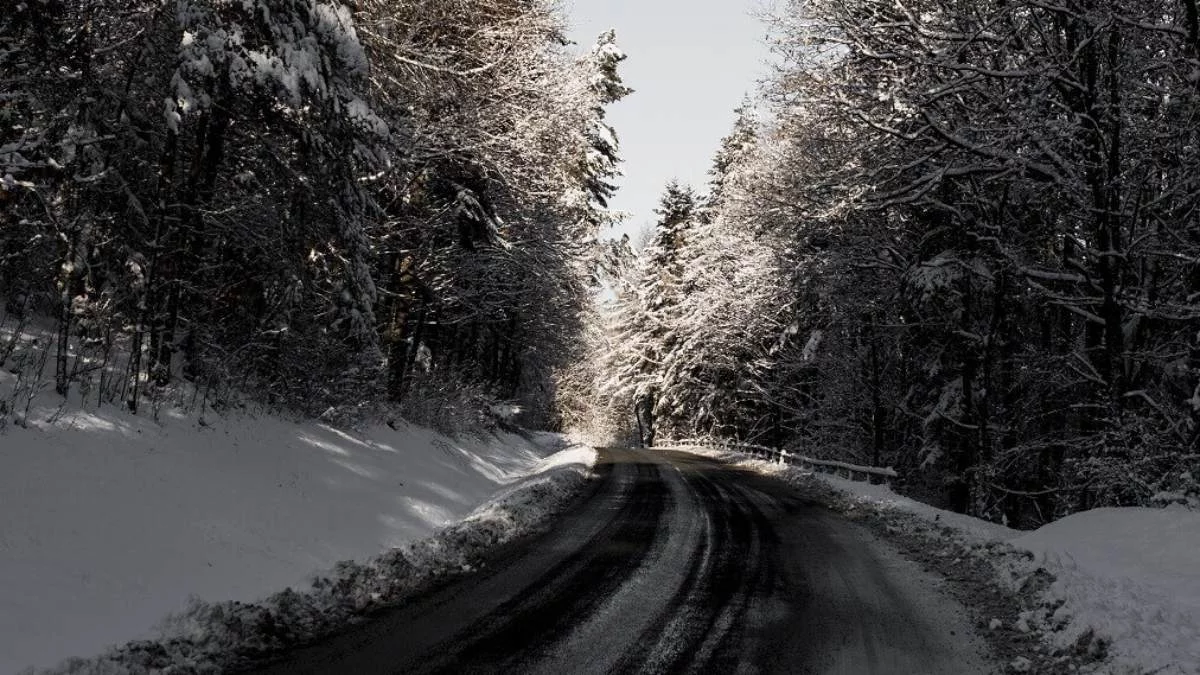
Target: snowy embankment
<point>111,522</point>
<point>1125,581</point>
<point>1132,575</point>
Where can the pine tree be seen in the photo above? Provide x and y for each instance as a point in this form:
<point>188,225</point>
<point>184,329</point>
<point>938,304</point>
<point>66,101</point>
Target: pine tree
<point>734,153</point>
<point>601,165</point>
<point>312,199</point>
<point>643,325</point>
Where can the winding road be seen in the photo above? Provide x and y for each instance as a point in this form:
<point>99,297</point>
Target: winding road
<point>675,563</point>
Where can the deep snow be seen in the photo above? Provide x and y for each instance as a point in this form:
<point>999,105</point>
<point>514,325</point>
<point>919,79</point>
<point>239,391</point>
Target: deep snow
<point>1132,574</point>
<point>111,521</point>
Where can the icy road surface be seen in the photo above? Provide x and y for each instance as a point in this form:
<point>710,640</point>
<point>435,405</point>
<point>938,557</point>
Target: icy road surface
<point>676,563</point>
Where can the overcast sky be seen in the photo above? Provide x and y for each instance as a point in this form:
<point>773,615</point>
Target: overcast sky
<point>690,62</point>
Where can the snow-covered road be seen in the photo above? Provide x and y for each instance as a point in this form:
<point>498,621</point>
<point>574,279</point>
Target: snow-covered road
<point>675,563</point>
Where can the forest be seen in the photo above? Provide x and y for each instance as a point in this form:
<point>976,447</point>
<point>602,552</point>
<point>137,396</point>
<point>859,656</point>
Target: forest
<point>959,238</point>
<point>331,207</point>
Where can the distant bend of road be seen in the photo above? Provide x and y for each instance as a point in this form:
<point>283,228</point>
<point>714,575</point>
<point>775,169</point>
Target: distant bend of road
<point>675,564</point>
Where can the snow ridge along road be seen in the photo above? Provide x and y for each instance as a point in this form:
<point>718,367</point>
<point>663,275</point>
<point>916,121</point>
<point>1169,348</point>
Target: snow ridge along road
<point>675,564</point>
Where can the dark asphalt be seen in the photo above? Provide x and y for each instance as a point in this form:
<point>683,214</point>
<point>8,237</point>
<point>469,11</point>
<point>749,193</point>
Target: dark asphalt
<point>675,564</point>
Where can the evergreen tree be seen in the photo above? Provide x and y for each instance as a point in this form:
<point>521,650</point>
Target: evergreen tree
<point>644,322</point>
<point>601,165</point>
<point>734,153</point>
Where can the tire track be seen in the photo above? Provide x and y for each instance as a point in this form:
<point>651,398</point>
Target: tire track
<point>730,588</point>
<point>565,594</point>
<point>651,651</point>
<point>708,610</point>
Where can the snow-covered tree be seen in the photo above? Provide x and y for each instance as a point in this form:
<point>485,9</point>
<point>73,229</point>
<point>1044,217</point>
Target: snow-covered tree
<point>987,191</point>
<point>310,199</point>
<point>734,153</point>
<point>968,236</point>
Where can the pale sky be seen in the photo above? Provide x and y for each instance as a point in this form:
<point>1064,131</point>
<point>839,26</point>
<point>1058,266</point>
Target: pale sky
<point>690,62</point>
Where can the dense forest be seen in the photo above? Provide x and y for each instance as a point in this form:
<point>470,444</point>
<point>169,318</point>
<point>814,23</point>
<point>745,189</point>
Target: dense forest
<point>328,206</point>
<point>956,237</point>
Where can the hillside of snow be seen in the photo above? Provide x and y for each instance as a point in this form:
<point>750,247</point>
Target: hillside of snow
<point>111,522</point>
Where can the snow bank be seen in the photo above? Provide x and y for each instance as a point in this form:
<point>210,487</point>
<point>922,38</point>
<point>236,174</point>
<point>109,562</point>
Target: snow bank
<point>111,522</point>
<point>881,496</point>
<point>1133,575</point>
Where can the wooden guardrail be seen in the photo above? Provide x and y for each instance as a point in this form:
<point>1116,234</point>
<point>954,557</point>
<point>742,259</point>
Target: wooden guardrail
<point>873,474</point>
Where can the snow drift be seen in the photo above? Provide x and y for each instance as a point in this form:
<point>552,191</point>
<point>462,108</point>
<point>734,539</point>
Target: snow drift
<point>1132,575</point>
<point>111,522</point>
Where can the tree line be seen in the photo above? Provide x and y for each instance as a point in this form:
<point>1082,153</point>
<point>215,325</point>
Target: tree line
<point>956,237</point>
<point>329,205</point>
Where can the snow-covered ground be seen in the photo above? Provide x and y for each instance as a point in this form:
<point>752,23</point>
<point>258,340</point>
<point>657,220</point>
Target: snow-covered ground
<point>111,522</point>
<point>1133,575</point>
<point>1129,575</point>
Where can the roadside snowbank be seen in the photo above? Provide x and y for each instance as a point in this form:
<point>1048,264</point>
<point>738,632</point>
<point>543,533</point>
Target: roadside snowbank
<point>111,521</point>
<point>1128,576</point>
<point>1132,575</point>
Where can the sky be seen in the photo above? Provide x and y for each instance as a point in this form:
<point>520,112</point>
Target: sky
<point>690,62</point>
